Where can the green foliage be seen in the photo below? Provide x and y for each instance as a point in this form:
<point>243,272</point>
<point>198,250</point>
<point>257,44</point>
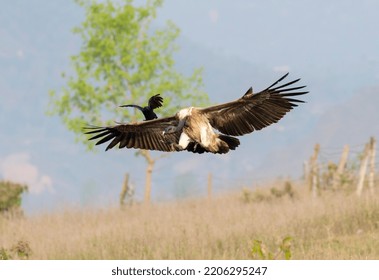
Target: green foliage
<point>257,250</point>
<point>4,254</point>
<point>261,195</point>
<point>21,250</point>
<point>287,190</point>
<point>260,251</point>
<point>10,196</point>
<point>254,196</point>
<point>122,60</point>
<point>285,247</point>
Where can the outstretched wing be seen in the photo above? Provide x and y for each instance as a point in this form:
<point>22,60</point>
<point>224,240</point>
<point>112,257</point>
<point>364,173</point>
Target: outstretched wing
<point>254,111</point>
<point>155,101</point>
<point>133,106</point>
<point>147,135</point>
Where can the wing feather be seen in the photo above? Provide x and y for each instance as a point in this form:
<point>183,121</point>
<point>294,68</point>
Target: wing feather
<point>155,101</point>
<point>99,135</point>
<point>124,139</point>
<point>105,139</point>
<point>255,111</point>
<point>146,135</point>
<point>153,142</point>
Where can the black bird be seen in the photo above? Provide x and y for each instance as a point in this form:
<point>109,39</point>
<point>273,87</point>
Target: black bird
<point>148,111</point>
<point>195,129</point>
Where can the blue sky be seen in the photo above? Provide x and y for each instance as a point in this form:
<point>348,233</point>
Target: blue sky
<point>332,46</point>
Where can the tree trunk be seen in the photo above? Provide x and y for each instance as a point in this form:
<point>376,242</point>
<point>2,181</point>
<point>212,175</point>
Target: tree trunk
<point>149,170</point>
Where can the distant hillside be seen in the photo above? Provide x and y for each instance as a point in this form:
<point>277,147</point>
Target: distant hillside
<point>352,122</point>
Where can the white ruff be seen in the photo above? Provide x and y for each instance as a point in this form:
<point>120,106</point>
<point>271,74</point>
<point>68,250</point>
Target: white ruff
<point>184,140</point>
<point>183,113</point>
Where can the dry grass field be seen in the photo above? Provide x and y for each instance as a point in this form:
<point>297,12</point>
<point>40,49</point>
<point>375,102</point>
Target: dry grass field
<point>332,226</point>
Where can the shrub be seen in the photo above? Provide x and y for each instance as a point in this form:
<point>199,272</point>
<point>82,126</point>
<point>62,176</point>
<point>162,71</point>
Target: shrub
<point>10,196</point>
<point>21,250</point>
<point>260,251</point>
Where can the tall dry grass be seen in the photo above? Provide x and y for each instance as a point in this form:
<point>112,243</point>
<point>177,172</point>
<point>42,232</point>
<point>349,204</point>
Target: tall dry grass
<point>333,226</point>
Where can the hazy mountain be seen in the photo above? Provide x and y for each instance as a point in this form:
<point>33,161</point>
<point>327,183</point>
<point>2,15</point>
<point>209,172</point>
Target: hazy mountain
<point>351,122</point>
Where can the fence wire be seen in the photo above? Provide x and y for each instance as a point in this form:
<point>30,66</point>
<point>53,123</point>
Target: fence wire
<point>327,161</point>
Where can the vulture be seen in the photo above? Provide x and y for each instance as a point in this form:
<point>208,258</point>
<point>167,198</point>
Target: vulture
<point>212,129</point>
<point>148,111</point>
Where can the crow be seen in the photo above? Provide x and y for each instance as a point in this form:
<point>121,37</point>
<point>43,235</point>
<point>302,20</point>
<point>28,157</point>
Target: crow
<point>148,111</point>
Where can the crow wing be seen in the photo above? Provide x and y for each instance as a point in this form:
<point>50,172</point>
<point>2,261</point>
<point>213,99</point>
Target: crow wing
<point>155,101</point>
<point>254,111</point>
<point>147,135</point>
<point>133,106</point>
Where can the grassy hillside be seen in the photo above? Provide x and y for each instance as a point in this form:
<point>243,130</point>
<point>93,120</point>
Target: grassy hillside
<point>334,226</point>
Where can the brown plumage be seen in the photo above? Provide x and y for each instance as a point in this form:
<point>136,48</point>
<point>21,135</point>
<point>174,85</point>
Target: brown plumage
<point>193,129</point>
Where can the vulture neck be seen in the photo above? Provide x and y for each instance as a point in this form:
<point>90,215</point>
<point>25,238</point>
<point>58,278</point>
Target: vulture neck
<point>184,113</point>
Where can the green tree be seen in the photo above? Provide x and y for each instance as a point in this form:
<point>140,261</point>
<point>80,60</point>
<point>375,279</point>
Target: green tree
<point>122,59</point>
<point>11,197</point>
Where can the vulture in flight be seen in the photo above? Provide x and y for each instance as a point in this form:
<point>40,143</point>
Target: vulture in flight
<point>211,129</point>
<point>148,111</point>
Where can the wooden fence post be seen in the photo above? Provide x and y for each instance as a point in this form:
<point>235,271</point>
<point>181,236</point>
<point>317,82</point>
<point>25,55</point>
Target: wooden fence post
<point>314,180</point>
<point>124,189</point>
<point>306,171</point>
<point>371,175</point>
<point>209,186</point>
<point>341,167</point>
<point>362,169</point>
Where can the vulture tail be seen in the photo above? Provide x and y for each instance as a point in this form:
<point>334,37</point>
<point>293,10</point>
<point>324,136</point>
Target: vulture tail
<point>232,142</point>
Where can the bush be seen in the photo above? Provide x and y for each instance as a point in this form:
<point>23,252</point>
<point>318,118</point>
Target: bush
<point>260,251</point>
<point>260,195</point>
<point>20,251</point>
<point>10,196</point>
